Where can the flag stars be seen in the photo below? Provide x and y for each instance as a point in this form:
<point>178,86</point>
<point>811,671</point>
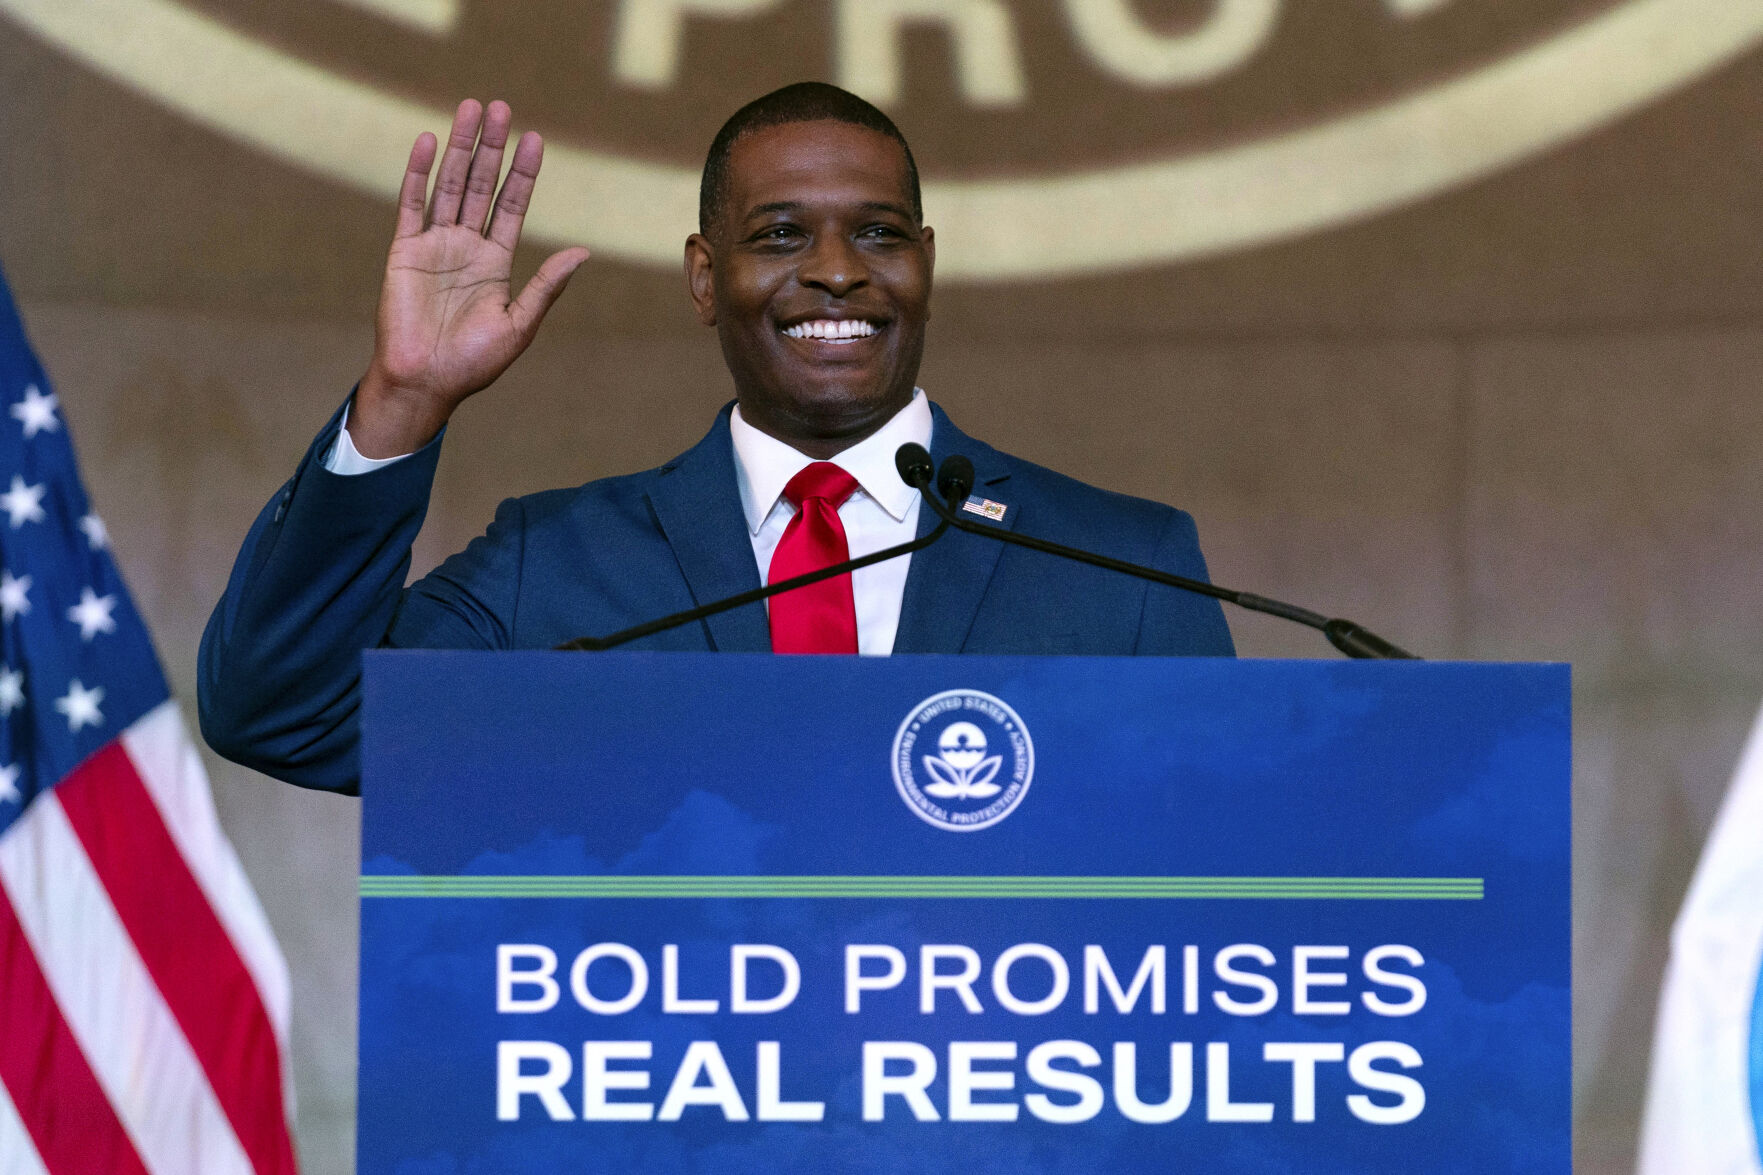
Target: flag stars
<point>23,503</point>
<point>9,785</point>
<point>97,537</point>
<point>15,599</point>
<point>36,412</point>
<point>92,614</point>
<point>80,705</point>
<point>11,690</point>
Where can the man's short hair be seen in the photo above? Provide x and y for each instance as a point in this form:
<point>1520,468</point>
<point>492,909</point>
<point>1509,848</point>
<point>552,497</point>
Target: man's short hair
<point>801,102</point>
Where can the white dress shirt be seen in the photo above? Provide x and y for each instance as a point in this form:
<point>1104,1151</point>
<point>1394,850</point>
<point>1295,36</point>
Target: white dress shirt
<point>882,513</point>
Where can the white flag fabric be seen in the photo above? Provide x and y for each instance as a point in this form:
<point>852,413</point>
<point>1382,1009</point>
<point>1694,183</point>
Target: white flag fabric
<point>1705,1096</point>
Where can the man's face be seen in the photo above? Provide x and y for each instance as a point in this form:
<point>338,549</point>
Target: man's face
<point>817,280</point>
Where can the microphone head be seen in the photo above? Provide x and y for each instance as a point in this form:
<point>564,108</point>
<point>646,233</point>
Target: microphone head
<point>914,465</point>
<point>955,479</point>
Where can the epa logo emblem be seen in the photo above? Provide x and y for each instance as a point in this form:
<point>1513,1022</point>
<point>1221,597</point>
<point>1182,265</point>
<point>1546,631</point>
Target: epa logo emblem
<point>963,760</point>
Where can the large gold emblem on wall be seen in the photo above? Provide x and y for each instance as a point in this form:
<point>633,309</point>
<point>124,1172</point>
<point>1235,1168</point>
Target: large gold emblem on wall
<point>1062,136</point>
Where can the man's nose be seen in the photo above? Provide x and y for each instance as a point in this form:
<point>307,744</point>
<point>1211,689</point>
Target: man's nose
<point>833,264</point>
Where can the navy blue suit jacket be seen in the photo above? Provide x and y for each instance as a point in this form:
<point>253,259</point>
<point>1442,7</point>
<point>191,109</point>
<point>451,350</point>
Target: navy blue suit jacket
<point>321,577</point>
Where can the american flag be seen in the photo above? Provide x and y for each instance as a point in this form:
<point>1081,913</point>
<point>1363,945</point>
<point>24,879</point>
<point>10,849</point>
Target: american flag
<point>143,1002</point>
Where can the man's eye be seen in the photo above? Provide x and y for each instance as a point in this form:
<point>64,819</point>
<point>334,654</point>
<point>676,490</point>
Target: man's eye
<point>777,232</point>
<point>882,232</point>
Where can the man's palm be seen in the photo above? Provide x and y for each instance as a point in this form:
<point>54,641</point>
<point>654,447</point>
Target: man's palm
<point>445,321</point>
<point>447,324</point>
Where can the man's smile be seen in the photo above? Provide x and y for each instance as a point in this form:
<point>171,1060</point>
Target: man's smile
<point>834,330</point>
<point>837,340</point>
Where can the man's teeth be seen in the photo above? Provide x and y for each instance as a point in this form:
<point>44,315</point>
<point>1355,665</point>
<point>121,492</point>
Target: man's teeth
<point>841,330</point>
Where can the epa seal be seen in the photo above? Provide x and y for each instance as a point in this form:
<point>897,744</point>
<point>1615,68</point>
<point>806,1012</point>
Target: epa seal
<point>963,760</point>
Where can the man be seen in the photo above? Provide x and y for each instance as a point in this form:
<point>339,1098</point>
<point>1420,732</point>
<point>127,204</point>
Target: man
<point>813,263</point>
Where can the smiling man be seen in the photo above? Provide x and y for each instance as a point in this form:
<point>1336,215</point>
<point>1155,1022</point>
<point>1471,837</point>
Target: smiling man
<point>814,264</point>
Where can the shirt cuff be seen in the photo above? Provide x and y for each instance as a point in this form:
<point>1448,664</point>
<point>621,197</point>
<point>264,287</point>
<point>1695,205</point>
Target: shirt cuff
<point>344,459</point>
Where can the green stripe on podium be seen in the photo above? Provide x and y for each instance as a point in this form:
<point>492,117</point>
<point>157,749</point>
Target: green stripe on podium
<point>702,886</point>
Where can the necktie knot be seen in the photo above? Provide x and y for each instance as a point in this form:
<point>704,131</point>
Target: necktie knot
<point>822,480</point>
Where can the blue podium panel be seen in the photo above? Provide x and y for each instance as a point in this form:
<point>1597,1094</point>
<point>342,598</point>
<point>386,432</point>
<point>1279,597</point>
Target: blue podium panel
<point>728,914</point>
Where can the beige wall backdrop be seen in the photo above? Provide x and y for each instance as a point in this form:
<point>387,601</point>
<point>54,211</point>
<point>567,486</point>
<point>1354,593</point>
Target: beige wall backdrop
<point>1445,315</point>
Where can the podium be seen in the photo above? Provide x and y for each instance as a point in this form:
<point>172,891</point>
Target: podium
<point>725,913</point>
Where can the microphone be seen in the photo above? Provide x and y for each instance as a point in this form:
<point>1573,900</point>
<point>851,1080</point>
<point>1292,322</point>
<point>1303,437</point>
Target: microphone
<point>1354,640</point>
<point>955,480</point>
<point>914,464</point>
<point>916,470</point>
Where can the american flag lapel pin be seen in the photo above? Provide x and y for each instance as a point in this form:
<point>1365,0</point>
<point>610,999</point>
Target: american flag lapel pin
<point>986,508</point>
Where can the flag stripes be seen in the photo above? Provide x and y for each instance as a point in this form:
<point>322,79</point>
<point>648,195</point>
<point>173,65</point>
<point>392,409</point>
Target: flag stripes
<point>139,1055</point>
<point>167,764</point>
<point>18,1154</point>
<point>69,1122</point>
<point>185,949</point>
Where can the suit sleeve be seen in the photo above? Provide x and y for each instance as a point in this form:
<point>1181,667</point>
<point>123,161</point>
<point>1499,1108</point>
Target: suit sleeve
<point>1178,623</point>
<point>320,578</point>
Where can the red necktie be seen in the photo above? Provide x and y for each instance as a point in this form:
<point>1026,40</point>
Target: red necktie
<point>822,617</point>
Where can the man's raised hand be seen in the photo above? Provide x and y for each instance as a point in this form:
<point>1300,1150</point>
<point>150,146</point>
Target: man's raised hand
<point>448,324</point>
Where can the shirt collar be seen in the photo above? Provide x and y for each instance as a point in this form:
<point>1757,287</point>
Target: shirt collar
<point>764,465</point>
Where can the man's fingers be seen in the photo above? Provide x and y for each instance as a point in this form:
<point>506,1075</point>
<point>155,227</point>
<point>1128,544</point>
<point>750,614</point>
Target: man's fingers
<point>486,167</point>
<point>415,186</point>
<point>455,163</point>
<point>529,309</point>
<point>517,191</point>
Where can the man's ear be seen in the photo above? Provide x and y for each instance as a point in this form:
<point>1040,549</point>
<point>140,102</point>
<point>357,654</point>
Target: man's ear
<point>700,277</point>
<point>929,237</point>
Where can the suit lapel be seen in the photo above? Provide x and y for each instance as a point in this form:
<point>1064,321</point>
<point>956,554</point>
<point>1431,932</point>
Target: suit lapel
<point>698,504</point>
<point>948,579</point>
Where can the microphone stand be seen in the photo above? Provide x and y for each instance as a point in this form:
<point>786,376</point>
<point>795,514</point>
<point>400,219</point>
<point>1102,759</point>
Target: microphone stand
<point>955,482</point>
<point>1352,639</point>
<point>956,489</point>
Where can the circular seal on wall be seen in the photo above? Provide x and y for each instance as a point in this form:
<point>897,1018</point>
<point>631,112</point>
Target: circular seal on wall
<point>963,760</point>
